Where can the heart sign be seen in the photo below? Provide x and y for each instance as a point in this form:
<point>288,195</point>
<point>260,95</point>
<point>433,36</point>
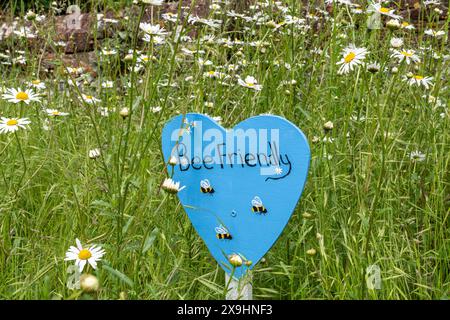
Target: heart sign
<point>238,186</point>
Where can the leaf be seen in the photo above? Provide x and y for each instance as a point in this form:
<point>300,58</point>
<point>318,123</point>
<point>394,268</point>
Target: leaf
<point>119,275</point>
<point>127,225</point>
<point>101,204</point>
<point>211,285</point>
<point>150,239</point>
<point>136,103</point>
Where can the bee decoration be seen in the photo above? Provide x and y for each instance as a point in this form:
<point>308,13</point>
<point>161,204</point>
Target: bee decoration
<point>222,233</point>
<point>205,187</point>
<point>257,205</point>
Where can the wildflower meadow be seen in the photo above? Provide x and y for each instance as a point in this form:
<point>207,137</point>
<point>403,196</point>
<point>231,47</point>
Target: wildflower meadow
<point>89,210</point>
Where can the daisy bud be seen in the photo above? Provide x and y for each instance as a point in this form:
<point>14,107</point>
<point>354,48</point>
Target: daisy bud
<point>393,24</point>
<point>438,11</point>
<point>396,42</point>
<point>123,295</point>
<point>431,99</point>
<point>124,113</point>
<point>128,58</point>
<point>173,160</point>
<point>30,15</point>
<point>311,252</point>
<point>271,24</point>
<point>89,283</point>
<point>416,67</point>
<point>307,215</point>
<point>328,126</point>
<point>394,70</point>
<point>248,263</point>
<point>235,260</point>
<point>409,74</point>
<point>319,236</point>
<point>315,139</point>
<point>263,260</point>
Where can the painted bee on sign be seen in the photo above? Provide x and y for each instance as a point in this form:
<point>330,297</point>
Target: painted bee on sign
<point>205,187</point>
<point>222,233</point>
<point>257,205</point>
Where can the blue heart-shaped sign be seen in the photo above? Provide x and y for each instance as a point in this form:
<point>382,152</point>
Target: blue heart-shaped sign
<point>241,185</point>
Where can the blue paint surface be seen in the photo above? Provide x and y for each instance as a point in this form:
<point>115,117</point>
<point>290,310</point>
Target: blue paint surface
<point>238,172</point>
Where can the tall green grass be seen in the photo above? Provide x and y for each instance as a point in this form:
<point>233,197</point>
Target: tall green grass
<point>368,202</point>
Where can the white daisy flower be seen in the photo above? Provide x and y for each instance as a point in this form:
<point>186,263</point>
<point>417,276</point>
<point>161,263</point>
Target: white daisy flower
<point>90,99</point>
<point>109,52</point>
<point>55,113</point>
<point>152,29</point>
<point>406,55</point>
<point>153,2</point>
<point>419,80</point>
<point>373,67</point>
<point>94,153</point>
<point>16,96</point>
<point>38,84</point>
<point>75,70</point>
<point>8,125</point>
<point>351,57</point>
<point>143,58</point>
<point>107,84</point>
<point>217,119</point>
<point>435,34</point>
<point>203,62</point>
<point>417,156</point>
<point>25,32</point>
<point>343,2</point>
<point>406,25</point>
<point>82,256</point>
<point>156,40</point>
<point>171,186</point>
<point>215,74</point>
<point>396,42</point>
<point>378,8</point>
<point>250,82</point>
<point>104,112</point>
<point>431,2</point>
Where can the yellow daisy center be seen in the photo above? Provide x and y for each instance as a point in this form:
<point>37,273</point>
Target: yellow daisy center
<point>211,73</point>
<point>55,113</point>
<point>250,84</point>
<point>22,96</point>
<point>418,77</point>
<point>12,122</point>
<point>349,57</point>
<point>89,97</point>
<point>405,24</point>
<point>35,82</point>
<point>406,54</point>
<point>84,254</point>
<point>384,10</point>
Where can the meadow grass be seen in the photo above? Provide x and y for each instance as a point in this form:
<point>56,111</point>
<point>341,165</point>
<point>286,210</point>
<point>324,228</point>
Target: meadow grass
<point>366,201</point>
